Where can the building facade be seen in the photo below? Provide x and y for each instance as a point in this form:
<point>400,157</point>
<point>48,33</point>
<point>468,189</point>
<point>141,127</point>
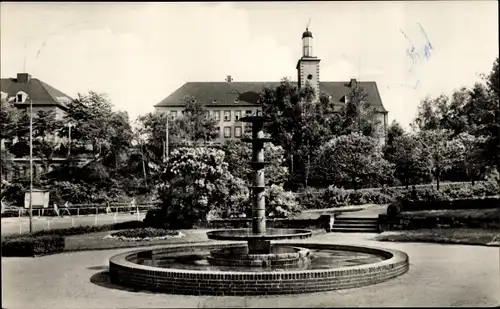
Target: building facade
<point>228,101</point>
<point>22,91</point>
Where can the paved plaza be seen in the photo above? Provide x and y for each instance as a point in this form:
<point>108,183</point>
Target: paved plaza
<point>439,275</point>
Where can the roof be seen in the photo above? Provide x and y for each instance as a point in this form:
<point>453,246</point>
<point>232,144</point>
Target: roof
<point>307,34</point>
<point>248,93</point>
<point>40,92</point>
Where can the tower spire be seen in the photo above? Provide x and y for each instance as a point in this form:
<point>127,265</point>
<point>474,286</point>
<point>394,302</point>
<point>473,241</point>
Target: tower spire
<point>24,58</point>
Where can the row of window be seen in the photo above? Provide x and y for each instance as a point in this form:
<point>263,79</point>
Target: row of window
<point>216,114</point>
<point>228,131</point>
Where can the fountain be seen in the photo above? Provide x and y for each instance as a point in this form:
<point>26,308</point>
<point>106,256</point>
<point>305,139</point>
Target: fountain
<point>259,251</point>
<point>258,267</point>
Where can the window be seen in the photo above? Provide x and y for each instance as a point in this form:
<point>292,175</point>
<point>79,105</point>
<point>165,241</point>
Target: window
<point>227,132</point>
<point>173,114</point>
<point>19,98</point>
<point>216,115</point>
<point>237,131</point>
<point>248,112</point>
<point>237,115</point>
<point>248,128</point>
<point>309,77</point>
<point>227,115</point>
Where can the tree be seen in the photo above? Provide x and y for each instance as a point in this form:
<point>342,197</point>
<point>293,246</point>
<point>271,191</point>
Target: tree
<point>238,155</point>
<point>471,157</point>
<point>195,124</point>
<point>411,162</point>
<point>9,117</point>
<point>45,130</point>
<point>353,161</point>
<point>357,114</point>
<point>444,152</point>
<point>299,123</point>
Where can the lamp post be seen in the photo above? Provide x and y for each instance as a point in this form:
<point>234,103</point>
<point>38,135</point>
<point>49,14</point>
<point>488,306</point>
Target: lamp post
<point>69,137</point>
<point>166,139</point>
<point>31,166</point>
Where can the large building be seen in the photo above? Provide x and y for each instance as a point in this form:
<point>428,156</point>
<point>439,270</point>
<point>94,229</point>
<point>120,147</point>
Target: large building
<point>228,101</point>
<point>21,91</point>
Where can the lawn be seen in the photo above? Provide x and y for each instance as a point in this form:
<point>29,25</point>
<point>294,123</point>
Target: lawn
<point>97,241</point>
<point>445,236</point>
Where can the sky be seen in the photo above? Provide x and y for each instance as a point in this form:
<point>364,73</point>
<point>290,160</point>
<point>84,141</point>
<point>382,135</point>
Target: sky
<point>139,52</point>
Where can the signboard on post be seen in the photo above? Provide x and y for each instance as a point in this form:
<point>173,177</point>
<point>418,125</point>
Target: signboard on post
<point>39,200</point>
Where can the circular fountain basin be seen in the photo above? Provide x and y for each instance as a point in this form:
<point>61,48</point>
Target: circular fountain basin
<point>247,234</point>
<point>184,269</point>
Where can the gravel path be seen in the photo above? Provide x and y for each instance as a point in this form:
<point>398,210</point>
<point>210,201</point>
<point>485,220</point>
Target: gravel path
<point>439,275</point>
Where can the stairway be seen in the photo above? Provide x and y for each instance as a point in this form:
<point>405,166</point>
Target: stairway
<point>355,225</point>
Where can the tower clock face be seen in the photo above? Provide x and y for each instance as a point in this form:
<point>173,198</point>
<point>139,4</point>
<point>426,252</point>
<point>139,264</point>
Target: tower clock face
<point>309,77</point>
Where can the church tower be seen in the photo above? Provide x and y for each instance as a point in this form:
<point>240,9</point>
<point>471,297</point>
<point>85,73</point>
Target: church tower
<point>308,65</point>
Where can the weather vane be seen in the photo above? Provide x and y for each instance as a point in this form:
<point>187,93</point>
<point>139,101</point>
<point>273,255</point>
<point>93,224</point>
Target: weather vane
<point>308,23</point>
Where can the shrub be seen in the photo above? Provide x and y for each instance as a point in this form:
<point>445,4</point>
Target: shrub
<point>196,181</point>
<point>394,209</point>
<point>145,233</point>
<point>312,198</point>
<point>280,203</point>
<point>31,245</point>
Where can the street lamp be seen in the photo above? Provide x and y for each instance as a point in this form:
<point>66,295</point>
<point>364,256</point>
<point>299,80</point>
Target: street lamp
<point>69,137</point>
<point>31,166</point>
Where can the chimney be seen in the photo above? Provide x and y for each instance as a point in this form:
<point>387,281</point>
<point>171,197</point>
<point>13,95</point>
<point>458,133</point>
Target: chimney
<point>353,83</point>
<point>229,79</point>
<point>23,78</point>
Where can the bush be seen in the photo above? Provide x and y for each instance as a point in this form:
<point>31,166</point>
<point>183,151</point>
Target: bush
<point>31,245</point>
<point>196,182</point>
<point>394,209</point>
<point>312,198</point>
<point>463,191</point>
<point>146,233</point>
<point>280,203</point>
<point>335,197</point>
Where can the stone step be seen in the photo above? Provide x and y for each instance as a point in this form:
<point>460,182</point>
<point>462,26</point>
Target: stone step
<point>364,221</point>
<point>359,225</point>
<point>356,219</point>
<point>354,230</point>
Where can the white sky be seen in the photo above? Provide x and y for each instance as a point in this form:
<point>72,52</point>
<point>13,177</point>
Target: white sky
<point>138,53</point>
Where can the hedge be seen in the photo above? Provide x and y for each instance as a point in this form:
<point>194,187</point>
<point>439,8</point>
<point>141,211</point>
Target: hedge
<point>31,245</point>
<point>145,233</point>
<point>336,197</point>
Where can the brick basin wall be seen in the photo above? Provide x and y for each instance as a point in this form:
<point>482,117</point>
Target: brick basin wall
<point>193,282</point>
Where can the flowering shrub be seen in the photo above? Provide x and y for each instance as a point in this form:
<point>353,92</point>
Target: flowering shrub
<point>196,181</point>
<point>280,203</point>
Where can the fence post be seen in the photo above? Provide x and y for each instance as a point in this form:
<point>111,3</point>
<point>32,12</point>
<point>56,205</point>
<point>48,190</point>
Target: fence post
<point>115,217</point>
<point>19,212</point>
<point>20,228</point>
<point>72,222</point>
<point>138,217</point>
<point>96,210</point>
<point>48,224</point>
<point>78,211</point>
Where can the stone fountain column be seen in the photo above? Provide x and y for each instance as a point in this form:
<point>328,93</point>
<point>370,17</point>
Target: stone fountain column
<point>258,201</point>
<point>257,245</point>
